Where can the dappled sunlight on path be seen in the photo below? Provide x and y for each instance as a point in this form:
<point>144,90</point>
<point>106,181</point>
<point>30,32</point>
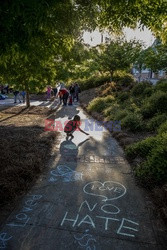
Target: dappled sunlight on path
<point>87,200</point>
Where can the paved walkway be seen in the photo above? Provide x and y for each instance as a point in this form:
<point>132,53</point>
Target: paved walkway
<point>10,103</point>
<point>87,200</point>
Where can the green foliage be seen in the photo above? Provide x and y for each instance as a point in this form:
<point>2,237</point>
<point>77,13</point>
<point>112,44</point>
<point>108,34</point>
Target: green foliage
<point>117,55</point>
<point>123,78</point>
<point>161,85</point>
<point>93,82</point>
<point>141,148</point>
<point>123,96</point>
<point>111,111</point>
<point>101,80</point>
<point>100,103</point>
<point>154,57</point>
<point>155,165</point>
<point>153,150</point>
<point>133,122</point>
<point>154,104</point>
<point>38,37</point>
<point>148,92</point>
<point>163,128</point>
<point>139,88</point>
<point>108,88</point>
<point>120,114</point>
<point>150,13</point>
<point>156,121</point>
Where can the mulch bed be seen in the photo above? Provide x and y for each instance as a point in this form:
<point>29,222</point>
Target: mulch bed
<point>25,150</point>
<point>33,110</point>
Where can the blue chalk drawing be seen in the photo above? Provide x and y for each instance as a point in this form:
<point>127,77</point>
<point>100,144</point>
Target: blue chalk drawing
<point>86,241</point>
<point>65,174</point>
<point>3,240</point>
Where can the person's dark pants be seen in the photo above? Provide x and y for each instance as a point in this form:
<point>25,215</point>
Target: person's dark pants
<point>55,92</point>
<point>65,98</point>
<point>76,95</point>
<point>24,98</point>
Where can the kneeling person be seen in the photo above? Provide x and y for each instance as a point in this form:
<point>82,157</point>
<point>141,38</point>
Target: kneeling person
<point>73,125</point>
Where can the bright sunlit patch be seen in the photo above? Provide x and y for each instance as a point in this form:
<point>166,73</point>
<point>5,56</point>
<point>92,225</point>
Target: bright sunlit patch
<point>96,37</point>
<point>92,38</point>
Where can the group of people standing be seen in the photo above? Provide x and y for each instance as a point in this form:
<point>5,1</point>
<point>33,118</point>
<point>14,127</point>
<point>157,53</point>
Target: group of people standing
<point>67,96</point>
<point>20,95</point>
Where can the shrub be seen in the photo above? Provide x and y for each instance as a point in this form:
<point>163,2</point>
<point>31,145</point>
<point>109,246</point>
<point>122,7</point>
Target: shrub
<point>120,114</point>
<point>155,165</point>
<point>153,150</point>
<point>123,96</point>
<point>84,85</point>
<point>154,104</point>
<point>156,121</point>
<point>161,85</point>
<point>132,106</point>
<point>133,122</point>
<point>101,80</point>
<point>122,78</point>
<point>111,109</point>
<point>100,103</point>
<point>139,88</point>
<point>93,82</point>
<point>147,110</point>
<point>148,91</point>
<point>163,128</point>
<point>141,148</point>
<point>108,88</point>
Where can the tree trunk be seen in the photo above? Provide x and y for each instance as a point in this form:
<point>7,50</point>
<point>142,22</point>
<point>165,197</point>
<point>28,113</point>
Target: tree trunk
<point>140,74</point>
<point>27,96</point>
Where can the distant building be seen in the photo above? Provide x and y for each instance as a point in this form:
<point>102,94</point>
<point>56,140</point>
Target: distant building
<point>147,75</point>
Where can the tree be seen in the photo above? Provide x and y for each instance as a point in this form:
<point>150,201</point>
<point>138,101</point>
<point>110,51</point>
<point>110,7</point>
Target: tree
<point>156,58</point>
<point>34,34</point>
<point>54,26</point>
<point>140,62</point>
<point>28,75</point>
<point>118,55</point>
<point>115,15</point>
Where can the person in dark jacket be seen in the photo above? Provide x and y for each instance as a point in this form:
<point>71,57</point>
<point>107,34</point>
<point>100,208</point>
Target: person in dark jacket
<point>16,95</point>
<point>77,91</point>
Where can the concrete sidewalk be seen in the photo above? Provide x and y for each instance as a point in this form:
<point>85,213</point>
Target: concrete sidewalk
<point>87,200</point>
<point>9,102</point>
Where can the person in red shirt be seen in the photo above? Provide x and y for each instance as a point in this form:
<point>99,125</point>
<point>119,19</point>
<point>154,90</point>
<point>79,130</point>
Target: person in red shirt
<point>73,125</point>
<point>64,92</point>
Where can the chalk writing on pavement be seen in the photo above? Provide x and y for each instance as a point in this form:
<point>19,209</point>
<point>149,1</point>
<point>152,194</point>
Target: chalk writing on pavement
<point>21,219</point>
<point>3,240</point>
<point>106,192</point>
<point>64,173</point>
<point>86,241</point>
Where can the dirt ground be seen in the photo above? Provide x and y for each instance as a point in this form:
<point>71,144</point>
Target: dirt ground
<point>25,149</point>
